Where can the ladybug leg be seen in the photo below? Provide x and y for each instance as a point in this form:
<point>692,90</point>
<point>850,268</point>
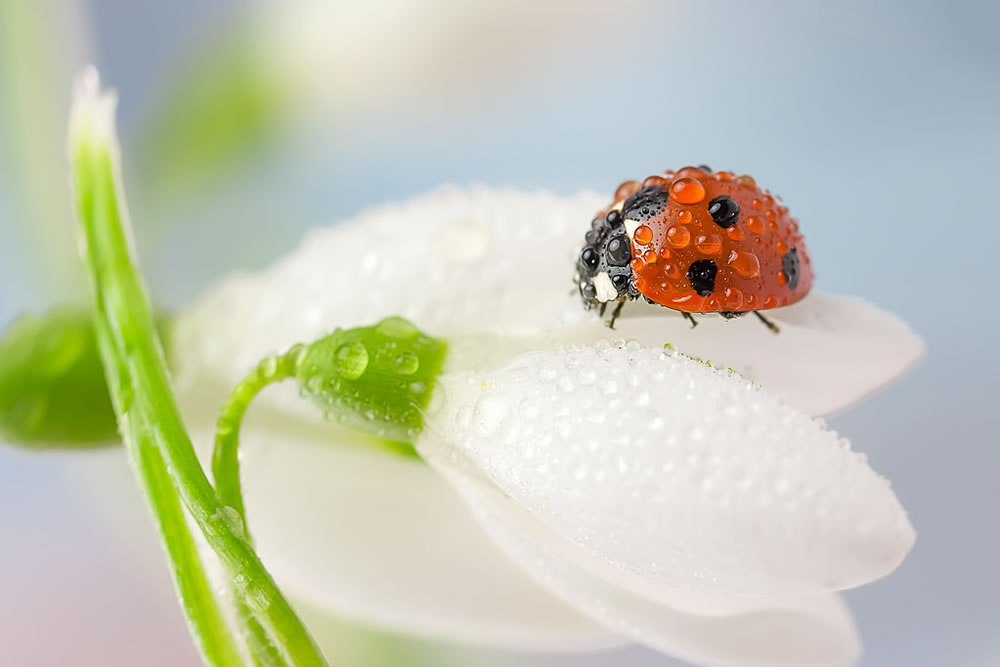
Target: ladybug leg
<point>615,313</point>
<point>767,323</point>
<point>690,318</point>
<point>604,307</point>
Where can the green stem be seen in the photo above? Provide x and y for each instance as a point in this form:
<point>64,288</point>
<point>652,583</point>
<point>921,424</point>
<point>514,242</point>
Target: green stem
<point>211,631</point>
<point>225,458</point>
<point>226,468</point>
<point>144,403</point>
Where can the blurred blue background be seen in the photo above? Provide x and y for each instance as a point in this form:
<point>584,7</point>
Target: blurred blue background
<point>877,122</point>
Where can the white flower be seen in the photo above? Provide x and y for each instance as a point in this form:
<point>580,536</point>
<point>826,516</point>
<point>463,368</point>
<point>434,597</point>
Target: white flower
<point>599,492</point>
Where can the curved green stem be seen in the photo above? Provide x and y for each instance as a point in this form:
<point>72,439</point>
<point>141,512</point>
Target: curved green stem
<point>225,456</point>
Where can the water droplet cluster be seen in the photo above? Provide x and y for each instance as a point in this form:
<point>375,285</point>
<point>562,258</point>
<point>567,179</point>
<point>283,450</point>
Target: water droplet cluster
<point>379,379</point>
<point>671,467</point>
<point>687,224</point>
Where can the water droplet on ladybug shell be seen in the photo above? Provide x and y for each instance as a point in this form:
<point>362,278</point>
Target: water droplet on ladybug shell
<point>755,224</point>
<point>643,234</point>
<point>626,190</point>
<point>745,264</point>
<point>678,236</point>
<point>687,191</point>
<point>708,244</point>
<point>655,180</point>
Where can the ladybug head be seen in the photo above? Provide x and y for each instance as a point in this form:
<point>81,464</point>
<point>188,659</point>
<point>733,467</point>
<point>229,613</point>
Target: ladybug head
<point>603,272</point>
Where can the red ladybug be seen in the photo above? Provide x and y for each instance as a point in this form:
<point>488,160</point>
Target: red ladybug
<point>697,242</point>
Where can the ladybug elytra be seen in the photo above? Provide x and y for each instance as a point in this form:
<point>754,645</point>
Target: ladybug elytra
<point>696,242</point>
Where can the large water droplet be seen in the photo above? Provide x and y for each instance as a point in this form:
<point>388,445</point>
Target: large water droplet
<point>407,363</point>
<point>396,327</point>
<point>490,414</point>
<point>351,360</point>
<point>268,367</point>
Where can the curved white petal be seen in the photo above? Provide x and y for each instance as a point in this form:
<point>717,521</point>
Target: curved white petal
<point>831,352</point>
<point>365,534</point>
<point>811,631</point>
<point>675,472</point>
<point>499,261</point>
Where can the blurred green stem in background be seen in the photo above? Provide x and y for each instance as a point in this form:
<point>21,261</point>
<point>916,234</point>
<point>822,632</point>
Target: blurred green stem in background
<point>38,55</point>
<point>226,101</point>
<point>150,422</point>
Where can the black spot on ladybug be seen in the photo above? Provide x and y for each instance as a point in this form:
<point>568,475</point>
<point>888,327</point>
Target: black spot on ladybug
<point>701,274</point>
<point>589,259</point>
<point>645,204</point>
<point>618,252</point>
<point>790,267</point>
<point>614,219</point>
<point>705,168</point>
<point>724,211</point>
<point>620,282</point>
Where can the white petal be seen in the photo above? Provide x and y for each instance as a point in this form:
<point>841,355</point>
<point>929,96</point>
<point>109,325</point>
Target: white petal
<point>480,260</point>
<point>831,352</point>
<point>452,261</point>
<point>681,474</point>
<point>378,538</point>
<point>814,631</point>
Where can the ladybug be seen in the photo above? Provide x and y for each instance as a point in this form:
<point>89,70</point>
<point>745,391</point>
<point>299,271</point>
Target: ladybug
<point>695,241</point>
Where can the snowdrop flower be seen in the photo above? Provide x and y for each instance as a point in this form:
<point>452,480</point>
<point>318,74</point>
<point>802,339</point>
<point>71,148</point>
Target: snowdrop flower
<point>576,487</point>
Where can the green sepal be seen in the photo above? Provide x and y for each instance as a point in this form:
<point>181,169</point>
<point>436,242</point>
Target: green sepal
<point>377,379</point>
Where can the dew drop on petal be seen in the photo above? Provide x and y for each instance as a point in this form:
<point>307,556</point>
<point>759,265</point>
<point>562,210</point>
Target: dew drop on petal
<point>490,414</point>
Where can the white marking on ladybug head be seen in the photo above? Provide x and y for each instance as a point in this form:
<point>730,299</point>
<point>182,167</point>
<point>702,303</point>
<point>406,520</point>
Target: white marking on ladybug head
<point>605,290</point>
<point>630,227</point>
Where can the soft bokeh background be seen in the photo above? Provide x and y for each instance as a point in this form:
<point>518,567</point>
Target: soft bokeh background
<point>876,121</point>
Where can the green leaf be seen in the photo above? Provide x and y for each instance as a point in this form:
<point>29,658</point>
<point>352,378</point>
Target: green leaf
<point>52,389</point>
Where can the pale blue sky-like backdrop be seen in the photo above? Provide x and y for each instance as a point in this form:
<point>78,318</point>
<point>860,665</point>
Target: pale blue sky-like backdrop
<point>878,122</point>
